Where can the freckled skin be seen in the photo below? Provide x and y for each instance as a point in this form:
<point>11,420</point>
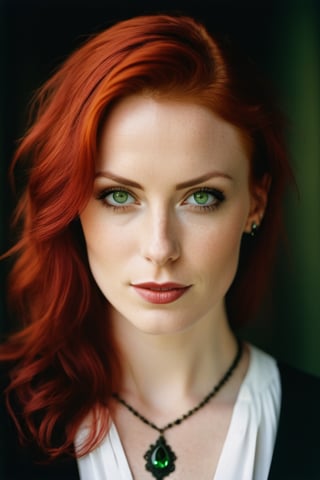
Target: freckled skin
<point>161,234</point>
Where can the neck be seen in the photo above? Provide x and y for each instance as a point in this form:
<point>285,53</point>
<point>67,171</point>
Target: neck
<point>159,368</point>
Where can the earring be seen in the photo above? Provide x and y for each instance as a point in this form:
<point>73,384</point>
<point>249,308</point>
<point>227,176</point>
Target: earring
<point>254,228</point>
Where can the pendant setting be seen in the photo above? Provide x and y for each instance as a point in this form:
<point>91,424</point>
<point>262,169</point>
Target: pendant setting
<point>160,459</point>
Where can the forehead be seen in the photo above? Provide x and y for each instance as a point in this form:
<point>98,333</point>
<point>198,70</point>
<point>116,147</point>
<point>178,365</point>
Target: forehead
<point>175,112</point>
<point>162,127</point>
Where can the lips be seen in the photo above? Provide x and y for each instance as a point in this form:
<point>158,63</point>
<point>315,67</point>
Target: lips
<point>160,293</point>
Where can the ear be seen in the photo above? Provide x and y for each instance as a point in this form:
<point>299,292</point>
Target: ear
<point>258,202</point>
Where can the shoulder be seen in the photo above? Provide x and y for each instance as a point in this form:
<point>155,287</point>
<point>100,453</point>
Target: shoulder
<point>297,386</point>
<point>262,375</point>
<point>21,462</point>
<point>290,375</point>
<point>297,446</point>
<point>300,390</point>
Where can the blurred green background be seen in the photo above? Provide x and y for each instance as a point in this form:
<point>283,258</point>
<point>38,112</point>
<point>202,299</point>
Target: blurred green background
<point>283,37</point>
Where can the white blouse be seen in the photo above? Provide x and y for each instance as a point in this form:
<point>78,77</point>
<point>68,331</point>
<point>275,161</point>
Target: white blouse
<point>249,444</point>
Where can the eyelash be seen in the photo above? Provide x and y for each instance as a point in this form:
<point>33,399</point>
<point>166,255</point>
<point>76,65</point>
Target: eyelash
<point>117,208</point>
<point>218,195</point>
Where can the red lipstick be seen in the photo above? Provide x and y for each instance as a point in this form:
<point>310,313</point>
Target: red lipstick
<point>160,293</point>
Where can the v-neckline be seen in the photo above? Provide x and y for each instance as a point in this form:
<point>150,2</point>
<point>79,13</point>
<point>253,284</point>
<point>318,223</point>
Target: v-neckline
<point>225,452</point>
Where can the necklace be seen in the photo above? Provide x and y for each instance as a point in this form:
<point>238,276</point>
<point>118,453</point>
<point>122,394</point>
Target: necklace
<point>160,458</point>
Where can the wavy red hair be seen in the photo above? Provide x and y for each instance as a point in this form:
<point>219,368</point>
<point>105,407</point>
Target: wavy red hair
<point>64,351</point>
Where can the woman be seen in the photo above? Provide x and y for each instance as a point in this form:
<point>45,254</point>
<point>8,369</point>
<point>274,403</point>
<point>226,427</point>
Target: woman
<point>155,165</point>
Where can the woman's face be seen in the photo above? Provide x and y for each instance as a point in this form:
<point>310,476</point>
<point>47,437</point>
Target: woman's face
<point>170,204</point>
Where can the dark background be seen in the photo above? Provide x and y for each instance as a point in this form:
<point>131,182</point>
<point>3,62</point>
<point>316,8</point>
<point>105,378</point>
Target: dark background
<point>283,38</point>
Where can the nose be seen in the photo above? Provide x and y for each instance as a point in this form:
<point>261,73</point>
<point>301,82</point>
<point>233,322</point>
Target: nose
<point>160,243</point>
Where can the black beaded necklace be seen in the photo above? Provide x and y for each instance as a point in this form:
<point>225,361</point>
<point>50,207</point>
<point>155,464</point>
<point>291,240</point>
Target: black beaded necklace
<point>160,458</point>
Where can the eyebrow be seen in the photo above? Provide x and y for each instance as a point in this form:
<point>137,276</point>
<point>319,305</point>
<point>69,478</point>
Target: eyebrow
<point>202,178</point>
<point>180,186</point>
<point>118,179</point>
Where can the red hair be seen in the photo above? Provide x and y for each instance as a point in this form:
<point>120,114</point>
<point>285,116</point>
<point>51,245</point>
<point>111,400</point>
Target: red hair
<point>64,351</point>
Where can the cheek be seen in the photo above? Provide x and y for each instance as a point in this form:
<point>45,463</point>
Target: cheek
<point>216,249</point>
<point>221,252</point>
<point>109,250</point>
<point>105,248</point>
<point>222,234</point>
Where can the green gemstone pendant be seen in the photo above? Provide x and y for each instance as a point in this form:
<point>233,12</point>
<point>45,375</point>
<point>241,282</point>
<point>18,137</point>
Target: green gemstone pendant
<point>160,459</point>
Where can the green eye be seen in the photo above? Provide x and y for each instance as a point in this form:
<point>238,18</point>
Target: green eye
<point>118,198</point>
<point>202,198</point>
<point>206,198</point>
